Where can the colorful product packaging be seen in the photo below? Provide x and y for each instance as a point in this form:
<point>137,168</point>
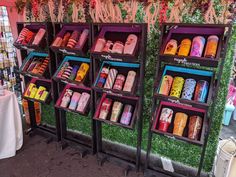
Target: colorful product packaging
<point>65,39</point>
<point>184,47</point>
<point>74,100</point>
<point>105,108</point>
<point>99,45</point>
<point>66,98</point>
<point>83,70</point>
<point>126,115</point>
<point>197,46</point>
<point>120,79</point>
<point>82,39</point>
<point>201,91</point>
<point>44,96</point>
<point>211,47</point>
<point>194,127</point>
<point>39,93</point>
<point>166,84</point>
<point>74,72</point>
<point>129,83</point>
<point>116,111</point>
<point>165,119</point>
<point>83,102</point>
<point>38,37</point>
<point>180,123</point>
<point>188,90</point>
<point>108,46</point>
<point>103,76</point>
<point>177,87</point>
<point>111,78</point>
<point>130,44</point>
<point>118,47</point>
<point>171,47</point>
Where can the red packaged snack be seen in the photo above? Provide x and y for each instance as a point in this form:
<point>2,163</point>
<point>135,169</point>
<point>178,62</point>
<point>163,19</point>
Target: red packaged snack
<point>120,79</point>
<point>105,108</point>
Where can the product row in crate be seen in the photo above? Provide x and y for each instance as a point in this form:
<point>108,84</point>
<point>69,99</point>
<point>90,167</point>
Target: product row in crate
<point>71,39</point>
<point>75,73</point>
<point>186,89</point>
<point>186,83</point>
<point>36,64</point>
<point>117,110</point>
<point>74,70</point>
<point>193,48</point>
<point>118,76</point>
<point>103,45</point>
<point>113,40</point>
<point>30,36</point>
<point>194,41</point>
<point>75,100</point>
<point>37,90</point>
<point>180,121</point>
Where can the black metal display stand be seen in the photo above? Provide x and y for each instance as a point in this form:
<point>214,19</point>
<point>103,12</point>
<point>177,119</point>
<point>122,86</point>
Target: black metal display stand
<point>40,50</point>
<point>75,57</point>
<point>123,63</point>
<point>190,64</point>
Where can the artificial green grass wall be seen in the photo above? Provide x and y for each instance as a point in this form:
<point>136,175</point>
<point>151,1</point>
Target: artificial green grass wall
<point>176,150</point>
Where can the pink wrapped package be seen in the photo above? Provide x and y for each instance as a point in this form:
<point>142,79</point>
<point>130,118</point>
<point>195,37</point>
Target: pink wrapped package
<point>99,45</point>
<point>74,100</point>
<point>38,37</point>
<point>82,39</point>
<point>130,44</point>
<point>83,102</point>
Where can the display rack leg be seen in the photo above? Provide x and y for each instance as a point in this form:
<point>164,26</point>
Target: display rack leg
<point>94,139</point>
<point>33,124</point>
<point>149,147</point>
<point>56,111</point>
<point>99,136</point>
<point>139,140</point>
<point>63,129</point>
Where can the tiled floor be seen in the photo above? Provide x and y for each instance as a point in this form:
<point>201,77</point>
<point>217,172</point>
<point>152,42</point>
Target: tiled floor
<point>228,131</point>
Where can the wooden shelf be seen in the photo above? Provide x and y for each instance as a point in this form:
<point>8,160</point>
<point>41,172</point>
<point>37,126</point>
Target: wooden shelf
<point>68,51</point>
<point>72,111</point>
<point>189,61</point>
<point>180,101</point>
<point>114,57</point>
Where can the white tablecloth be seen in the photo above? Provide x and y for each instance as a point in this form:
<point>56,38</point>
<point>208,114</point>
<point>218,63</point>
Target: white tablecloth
<point>11,135</point>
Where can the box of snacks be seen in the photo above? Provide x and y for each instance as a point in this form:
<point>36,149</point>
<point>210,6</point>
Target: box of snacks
<point>179,121</point>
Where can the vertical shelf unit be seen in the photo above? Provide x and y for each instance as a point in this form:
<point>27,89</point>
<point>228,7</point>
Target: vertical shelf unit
<point>186,67</point>
<point>73,57</point>
<point>28,53</point>
<point>122,63</point>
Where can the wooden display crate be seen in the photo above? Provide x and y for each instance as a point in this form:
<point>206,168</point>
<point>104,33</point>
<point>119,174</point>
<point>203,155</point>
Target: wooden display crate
<point>183,31</point>
<point>122,68</point>
<point>190,111</point>
<point>70,27</point>
<point>117,32</point>
<point>34,27</point>
<point>26,63</point>
<point>74,61</point>
<point>74,89</point>
<point>40,82</point>
<point>186,73</point>
<point>124,100</point>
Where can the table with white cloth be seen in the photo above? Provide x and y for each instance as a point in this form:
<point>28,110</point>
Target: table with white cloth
<point>11,135</point>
